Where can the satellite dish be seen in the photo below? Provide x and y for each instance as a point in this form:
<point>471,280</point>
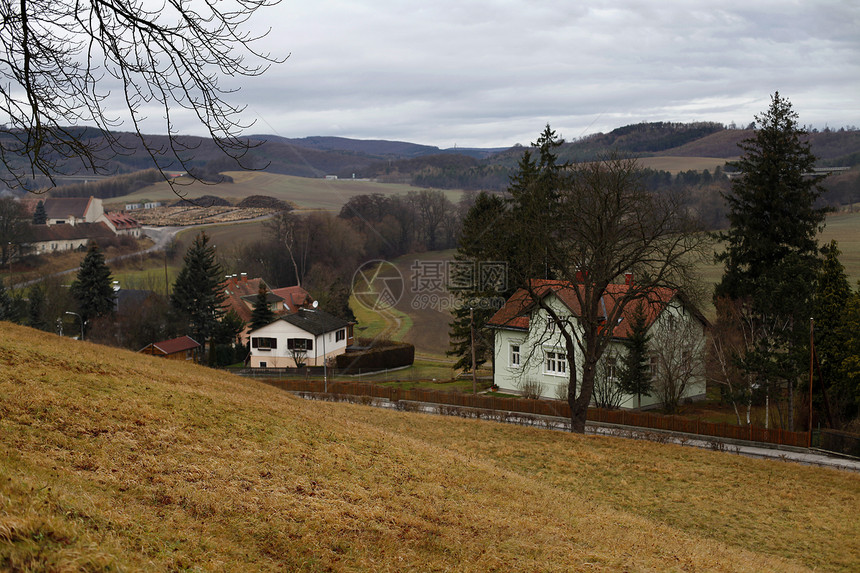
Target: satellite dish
<point>315,303</point>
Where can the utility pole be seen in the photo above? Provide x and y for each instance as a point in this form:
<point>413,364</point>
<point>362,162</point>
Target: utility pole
<point>472,332</point>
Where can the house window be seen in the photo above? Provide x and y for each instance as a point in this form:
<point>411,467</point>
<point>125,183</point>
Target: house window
<point>652,367</point>
<point>611,368</point>
<point>264,364</point>
<point>340,335</point>
<point>261,343</point>
<point>300,344</point>
<point>556,363</point>
<point>515,355</point>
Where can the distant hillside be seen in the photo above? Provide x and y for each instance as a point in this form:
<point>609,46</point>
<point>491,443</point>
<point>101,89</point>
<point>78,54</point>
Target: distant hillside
<point>116,461</point>
<point>456,168</point>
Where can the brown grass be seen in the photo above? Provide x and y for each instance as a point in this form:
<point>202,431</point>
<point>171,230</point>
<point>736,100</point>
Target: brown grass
<point>111,460</point>
<point>303,192</point>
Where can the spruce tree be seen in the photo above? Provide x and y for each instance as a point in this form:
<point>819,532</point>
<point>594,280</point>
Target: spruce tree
<point>36,309</point>
<point>635,375</point>
<point>92,289</point>
<point>7,305</point>
<point>40,216</point>
<point>262,313</point>
<point>479,244</point>
<point>771,255</point>
<point>832,301</point>
<point>197,294</point>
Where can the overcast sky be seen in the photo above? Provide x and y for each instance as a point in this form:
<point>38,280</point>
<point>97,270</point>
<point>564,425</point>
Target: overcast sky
<point>491,73</point>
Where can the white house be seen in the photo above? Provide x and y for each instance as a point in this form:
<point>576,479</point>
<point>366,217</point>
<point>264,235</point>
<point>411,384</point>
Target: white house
<point>74,210</point>
<point>306,337</point>
<point>530,354</point>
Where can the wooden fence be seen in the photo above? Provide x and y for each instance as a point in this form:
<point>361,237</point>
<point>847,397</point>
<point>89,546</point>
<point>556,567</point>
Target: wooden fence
<point>550,408</point>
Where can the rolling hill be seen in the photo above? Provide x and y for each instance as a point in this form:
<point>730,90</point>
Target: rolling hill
<point>118,461</point>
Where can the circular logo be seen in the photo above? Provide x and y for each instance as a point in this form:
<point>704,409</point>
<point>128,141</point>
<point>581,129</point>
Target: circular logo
<point>377,285</point>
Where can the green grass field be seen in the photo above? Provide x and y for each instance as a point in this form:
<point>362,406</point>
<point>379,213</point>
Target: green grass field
<point>115,461</point>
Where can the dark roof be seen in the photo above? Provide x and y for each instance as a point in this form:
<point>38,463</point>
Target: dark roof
<point>270,298</point>
<point>44,233</point>
<point>176,345</point>
<point>63,207</point>
<point>315,321</point>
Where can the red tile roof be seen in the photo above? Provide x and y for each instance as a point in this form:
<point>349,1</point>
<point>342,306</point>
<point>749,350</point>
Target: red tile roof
<point>122,221</point>
<point>175,345</point>
<point>235,288</point>
<point>517,309</point>
<point>295,297</point>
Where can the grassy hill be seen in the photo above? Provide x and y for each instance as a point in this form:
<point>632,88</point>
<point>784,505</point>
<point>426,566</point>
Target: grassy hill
<point>117,461</point>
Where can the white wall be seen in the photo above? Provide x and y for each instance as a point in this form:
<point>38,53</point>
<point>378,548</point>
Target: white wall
<point>282,357</point>
<point>510,378</point>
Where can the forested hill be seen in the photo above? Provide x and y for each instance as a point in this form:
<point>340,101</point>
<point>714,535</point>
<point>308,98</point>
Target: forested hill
<point>424,165</point>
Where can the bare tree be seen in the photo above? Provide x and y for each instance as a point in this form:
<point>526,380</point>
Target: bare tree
<point>432,207</point>
<point>68,65</point>
<point>14,228</point>
<point>300,356</point>
<point>291,232</point>
<point>607,388</point>
<point>676,353</point>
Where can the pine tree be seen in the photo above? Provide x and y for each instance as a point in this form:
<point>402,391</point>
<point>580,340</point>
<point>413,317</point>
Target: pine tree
<point>262,313</point>
<point>92,289</point>
<point>635,376</point>
<point>197,294</point>
<point>40,216</point>
<point>771,255</point>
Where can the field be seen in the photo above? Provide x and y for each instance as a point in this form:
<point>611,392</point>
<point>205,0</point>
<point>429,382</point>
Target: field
<point>675,165</point>
<point>117,461</point>
<point>301,192</point>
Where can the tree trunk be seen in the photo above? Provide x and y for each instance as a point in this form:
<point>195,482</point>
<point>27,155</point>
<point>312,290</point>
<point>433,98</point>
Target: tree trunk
<point>579,403</point>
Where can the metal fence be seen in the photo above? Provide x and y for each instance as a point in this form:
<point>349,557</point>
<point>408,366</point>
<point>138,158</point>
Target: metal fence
<point>840,442</point>
<point>550,408</point>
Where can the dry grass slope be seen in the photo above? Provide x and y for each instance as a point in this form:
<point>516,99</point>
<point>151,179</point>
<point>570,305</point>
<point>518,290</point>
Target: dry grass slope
<point>116,461</point>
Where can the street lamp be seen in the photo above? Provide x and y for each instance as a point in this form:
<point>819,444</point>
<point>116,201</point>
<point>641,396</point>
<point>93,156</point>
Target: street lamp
<point>79,318</point>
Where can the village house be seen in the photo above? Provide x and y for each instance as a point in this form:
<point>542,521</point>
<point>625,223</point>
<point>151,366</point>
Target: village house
<point>307,337</point>
<point>530,353</point>
<point>182,348</point>
<point>241,293</point>
<point>72,222</point>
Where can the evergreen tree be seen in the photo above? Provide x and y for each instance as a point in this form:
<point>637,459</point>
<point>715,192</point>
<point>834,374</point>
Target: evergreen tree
<point>92,289</point>
<point>771,255</point>
<point>7,305</point>
<point>847,384</point>
<point>40,216</point>
<point>832,300</point>
<point>262,313</point>
<point>635,375</point>
<point>479,244</point>
<point>197,294</point>
<point>36,309</point>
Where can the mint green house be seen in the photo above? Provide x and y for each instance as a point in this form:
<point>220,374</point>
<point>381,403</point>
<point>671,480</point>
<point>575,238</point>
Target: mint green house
<point>530,356</point>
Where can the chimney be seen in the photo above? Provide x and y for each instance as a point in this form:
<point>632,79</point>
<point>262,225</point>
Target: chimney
<point>244,277</point>
<point>628,278</point>
<point>580,275</point>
